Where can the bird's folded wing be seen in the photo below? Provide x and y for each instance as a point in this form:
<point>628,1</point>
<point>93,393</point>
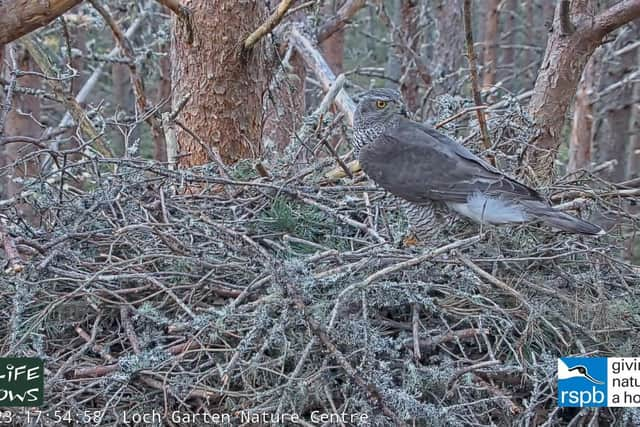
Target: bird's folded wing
<point>417,163</point>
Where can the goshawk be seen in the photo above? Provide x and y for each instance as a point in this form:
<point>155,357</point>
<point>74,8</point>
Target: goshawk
<point>427,169</point>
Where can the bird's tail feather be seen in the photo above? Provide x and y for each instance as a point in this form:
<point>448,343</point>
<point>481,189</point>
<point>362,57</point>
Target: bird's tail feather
<point>561,220</point>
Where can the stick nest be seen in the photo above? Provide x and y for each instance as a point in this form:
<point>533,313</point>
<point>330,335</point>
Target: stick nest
<point>160,290</point>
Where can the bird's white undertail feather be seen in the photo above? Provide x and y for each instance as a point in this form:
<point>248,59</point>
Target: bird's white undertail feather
<point>486,209</point>
<point>490,210</point>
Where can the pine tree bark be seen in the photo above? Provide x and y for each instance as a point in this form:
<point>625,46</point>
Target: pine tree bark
<point>225,83</point>
<point>20,17</point>
<point>574,38</point>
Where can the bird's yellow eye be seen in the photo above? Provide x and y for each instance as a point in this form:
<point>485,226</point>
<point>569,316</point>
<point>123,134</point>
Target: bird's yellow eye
<point>380,104</point>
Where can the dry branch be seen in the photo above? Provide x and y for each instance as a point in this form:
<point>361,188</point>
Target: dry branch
<point>473,70</point>
<point>565,58</point>
<point>20,17</point>
<point>316,62</point>
<point>370,389</point>
<point>272,21</point>
<point>340,19</point>
<point>75,109</point>
<point>136,80</point>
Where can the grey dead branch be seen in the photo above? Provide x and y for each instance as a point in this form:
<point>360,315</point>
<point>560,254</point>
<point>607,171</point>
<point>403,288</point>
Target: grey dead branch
<point>158,289</point>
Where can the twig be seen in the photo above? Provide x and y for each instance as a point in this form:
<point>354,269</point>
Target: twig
<point>91,82</point>
<point>507,402</point>
<point>397,267</point>
<point>128,328</point>
<point>419,259</point>
<point>136,79</point>
<point>428,344</point>
<point>403,46</point>
<point>363,227</point>
<point>458,115</point>
<point>473,70</point>
<point>268,26</point>
<point>415,323</point>
<point>40,57</point>
<point>317,63</point>
<point>494,280</point>
<point>340,19</point>
<point>460,372</point>
<point>370,389</point>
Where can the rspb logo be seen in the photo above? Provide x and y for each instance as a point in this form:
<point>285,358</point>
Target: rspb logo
<point>582,382</point>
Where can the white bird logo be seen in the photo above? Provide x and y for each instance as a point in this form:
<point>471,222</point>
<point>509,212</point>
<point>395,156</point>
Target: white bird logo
<point>564,372</point>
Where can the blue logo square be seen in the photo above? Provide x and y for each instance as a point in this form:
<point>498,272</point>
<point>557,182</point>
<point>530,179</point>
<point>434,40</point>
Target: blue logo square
<point>582,382</point>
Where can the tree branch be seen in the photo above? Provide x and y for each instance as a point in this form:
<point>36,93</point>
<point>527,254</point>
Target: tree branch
<point>371,390</point>
<point>18,18</point>
<point>616,16</point>
<point>316,62</point>
<point>136,80</point>
<point>340,19</point>
<point>400,42</point>
<point>471,57</point>
<point>77,112</point>
<point>268,26</point>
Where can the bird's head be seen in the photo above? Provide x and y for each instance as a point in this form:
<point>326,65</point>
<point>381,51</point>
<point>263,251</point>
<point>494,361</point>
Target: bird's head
<point>379,107</point>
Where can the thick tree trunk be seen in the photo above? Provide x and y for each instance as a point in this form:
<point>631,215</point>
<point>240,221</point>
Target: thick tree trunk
<point>20,17</point>
<point>568,50</point>
<point>582,125</point>
<point>490,57</point>
<point>225,84</point>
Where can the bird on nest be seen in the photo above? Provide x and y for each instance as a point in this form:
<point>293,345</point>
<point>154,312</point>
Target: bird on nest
<point>429,171</point>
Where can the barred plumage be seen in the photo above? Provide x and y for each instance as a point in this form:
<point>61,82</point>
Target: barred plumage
<point>416,163</point>
<point>421,218</point>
